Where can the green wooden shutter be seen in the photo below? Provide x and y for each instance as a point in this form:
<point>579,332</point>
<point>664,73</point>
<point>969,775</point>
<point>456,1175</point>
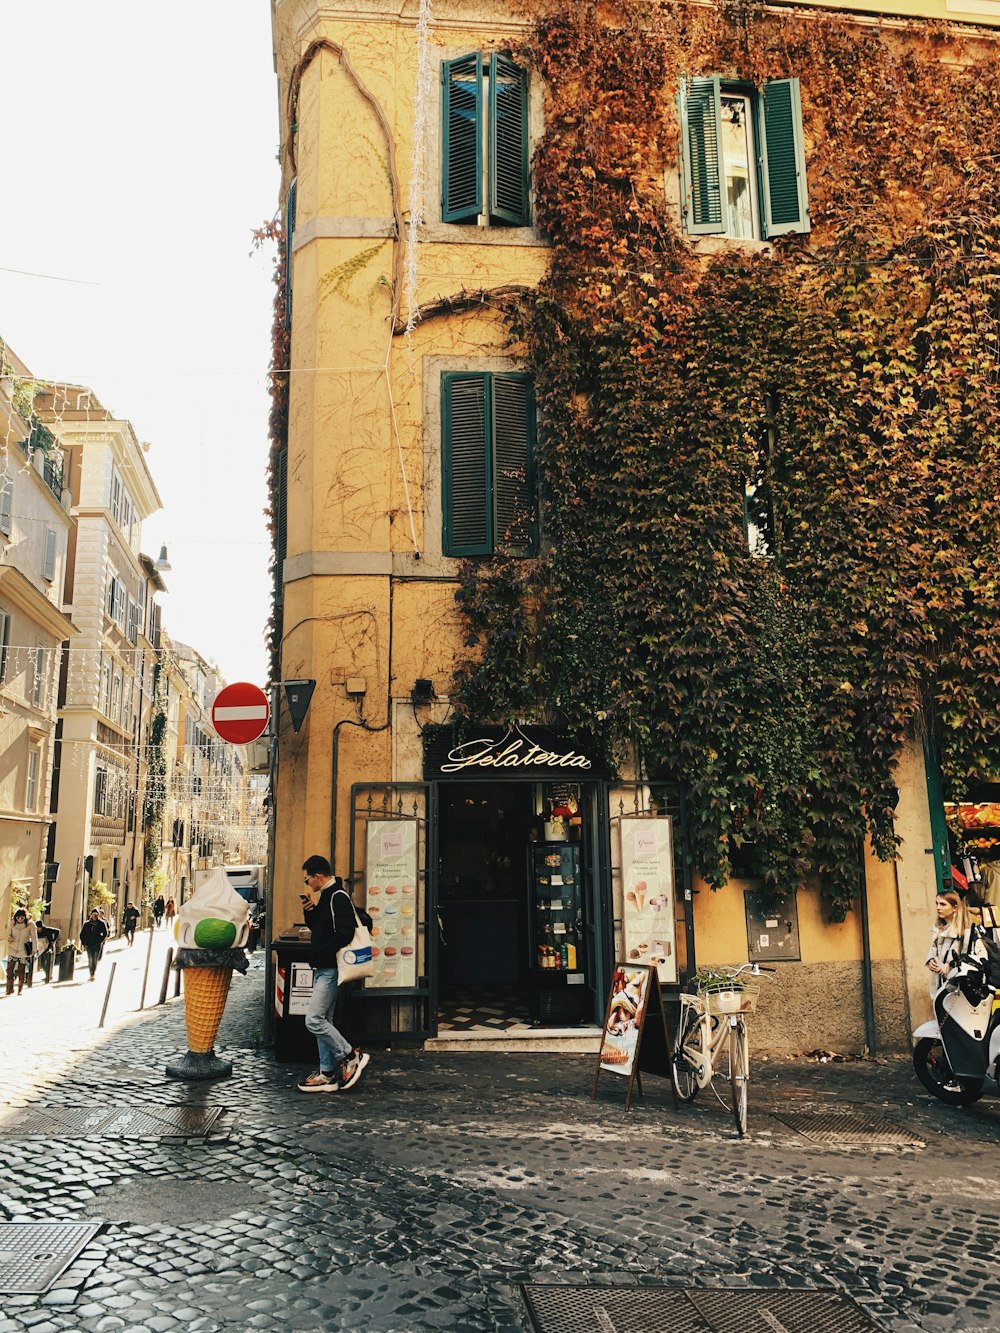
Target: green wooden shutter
<point>701,118</point>
<point>939,825</point>
<point>289,232</point>
<point>508,142</point>
<point>513,463</point>
<point>786,204</point>
<point>467,468</point>
<point>462,129</point>
<point>280,518</point>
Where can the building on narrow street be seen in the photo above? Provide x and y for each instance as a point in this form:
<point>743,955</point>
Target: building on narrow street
<point>34,629</point>
<point>634,449</point>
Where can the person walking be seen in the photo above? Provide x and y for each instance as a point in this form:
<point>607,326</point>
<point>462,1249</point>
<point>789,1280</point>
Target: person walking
<point>92,936</point>
<point>130,919</point>
<point>169,912</point>
<point>329,914</point>
<point>159,907</point>
<point>22,944</point>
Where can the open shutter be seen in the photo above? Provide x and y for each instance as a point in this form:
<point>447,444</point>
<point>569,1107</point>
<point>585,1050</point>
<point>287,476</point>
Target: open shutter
<point>783,161</point>
<point>462,151</point>
<point>467,499</point>
<point>508,142</point>
<point>513,450</point>
<point>289,233</point>
<point>6,505</point>
<point>280,518</point>
<point>701,121</point>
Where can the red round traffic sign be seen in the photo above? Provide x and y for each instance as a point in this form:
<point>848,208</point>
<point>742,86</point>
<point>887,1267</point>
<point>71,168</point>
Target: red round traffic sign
<point>240,713</point>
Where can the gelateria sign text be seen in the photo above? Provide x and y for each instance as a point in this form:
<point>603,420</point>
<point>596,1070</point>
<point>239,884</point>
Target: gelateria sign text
<point>514,754</point>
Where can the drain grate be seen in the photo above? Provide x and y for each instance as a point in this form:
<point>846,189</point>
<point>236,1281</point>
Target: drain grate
<point>33,1254</point>
<point>849,1127</point>
<point>558,1309</point>
<point>116,1122</point>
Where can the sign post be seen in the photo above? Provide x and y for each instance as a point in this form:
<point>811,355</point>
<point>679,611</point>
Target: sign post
<point>240,713</point>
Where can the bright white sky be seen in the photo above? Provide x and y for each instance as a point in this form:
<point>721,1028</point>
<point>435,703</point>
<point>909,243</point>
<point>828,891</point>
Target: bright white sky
<point>142,152</point>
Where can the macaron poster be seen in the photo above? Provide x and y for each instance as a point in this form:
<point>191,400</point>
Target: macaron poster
<point>391,900</point>
<point>648,900</point>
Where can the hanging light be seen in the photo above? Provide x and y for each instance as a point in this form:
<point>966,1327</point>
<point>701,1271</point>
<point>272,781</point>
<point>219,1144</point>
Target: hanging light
<point>163,564</point>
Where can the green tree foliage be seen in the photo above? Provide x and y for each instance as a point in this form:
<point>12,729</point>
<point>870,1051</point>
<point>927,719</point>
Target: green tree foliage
<point>853,370</point>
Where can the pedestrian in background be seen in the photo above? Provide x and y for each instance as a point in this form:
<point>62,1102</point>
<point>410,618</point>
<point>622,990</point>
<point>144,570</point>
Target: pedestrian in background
<point>130,919</point>
<point>92,937</point>
<point>22,943</point>
<point>329,914</point>
<point>159,907</point>
<point>170,911</point>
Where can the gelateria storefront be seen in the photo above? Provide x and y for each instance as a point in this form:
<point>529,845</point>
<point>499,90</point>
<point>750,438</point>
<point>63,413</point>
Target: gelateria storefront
<point>506,884</point>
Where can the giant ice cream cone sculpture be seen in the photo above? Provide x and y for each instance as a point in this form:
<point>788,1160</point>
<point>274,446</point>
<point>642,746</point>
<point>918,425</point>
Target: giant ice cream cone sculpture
<point>211,929</point>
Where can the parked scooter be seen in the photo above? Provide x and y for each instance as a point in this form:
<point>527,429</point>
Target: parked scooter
<point>959,1049</point>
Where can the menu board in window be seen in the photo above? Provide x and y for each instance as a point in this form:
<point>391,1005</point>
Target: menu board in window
<point>391,877</point>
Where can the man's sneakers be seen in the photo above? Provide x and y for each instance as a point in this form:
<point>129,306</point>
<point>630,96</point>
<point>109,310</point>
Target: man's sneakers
<point>346,1077</point>
<point>320,1082</point>
<point>352,1068</point>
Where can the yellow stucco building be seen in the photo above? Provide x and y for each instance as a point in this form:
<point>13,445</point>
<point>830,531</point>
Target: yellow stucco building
<point>511,861</point>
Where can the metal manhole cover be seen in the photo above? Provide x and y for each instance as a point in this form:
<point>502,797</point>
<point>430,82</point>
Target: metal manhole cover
<point>849,1127</point>
<point>122,1122</point>
<point>33,1254</point>
<point>558,1309</point>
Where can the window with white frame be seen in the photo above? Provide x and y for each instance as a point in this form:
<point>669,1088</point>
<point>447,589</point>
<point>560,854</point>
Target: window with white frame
<point>49,563</point>
<point>743,159</point>
<point>116,496</point>
<point>101,789</point>
<point>106,689</point>
<point>38,676</point>
<point>116,697</point>
<point>31,786</point>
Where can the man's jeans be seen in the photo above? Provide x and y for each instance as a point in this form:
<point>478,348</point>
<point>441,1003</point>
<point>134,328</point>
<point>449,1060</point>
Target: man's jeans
<point>332,1046</point>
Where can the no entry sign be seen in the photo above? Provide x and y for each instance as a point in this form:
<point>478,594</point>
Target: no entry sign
<point>240,713</point>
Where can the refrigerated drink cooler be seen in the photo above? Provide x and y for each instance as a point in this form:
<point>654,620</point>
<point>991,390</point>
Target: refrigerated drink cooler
<point>559,992</point>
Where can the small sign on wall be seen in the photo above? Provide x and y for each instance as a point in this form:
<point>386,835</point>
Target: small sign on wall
<point>772,927</point>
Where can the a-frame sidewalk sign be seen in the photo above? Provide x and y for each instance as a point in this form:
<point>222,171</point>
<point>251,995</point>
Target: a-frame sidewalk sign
<point>635,1035</point>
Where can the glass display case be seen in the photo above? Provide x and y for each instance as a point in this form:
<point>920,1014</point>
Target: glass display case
<point>558,965</point>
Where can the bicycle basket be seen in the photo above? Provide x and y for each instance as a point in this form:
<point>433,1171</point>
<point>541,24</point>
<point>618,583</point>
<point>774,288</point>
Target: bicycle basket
<point>725,997</point>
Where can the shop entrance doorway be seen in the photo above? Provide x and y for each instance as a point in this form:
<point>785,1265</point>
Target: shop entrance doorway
<point>484,830</point>
<point>515,906</point>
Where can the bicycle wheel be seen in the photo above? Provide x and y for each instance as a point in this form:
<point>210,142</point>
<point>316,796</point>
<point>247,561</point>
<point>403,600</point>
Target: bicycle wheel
<point>739,1074</point>
<point>689,1053</point>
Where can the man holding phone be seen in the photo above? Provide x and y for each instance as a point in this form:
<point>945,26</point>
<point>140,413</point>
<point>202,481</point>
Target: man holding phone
<point>330,916</point>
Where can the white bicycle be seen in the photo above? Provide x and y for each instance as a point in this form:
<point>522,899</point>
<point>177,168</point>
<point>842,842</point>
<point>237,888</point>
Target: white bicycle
<point>712,1037</point>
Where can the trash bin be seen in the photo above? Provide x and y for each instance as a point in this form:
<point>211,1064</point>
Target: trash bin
<point>292,989</point>
<point>67,963</point>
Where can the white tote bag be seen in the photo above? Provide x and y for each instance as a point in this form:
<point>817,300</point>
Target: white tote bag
<point>355,959</point>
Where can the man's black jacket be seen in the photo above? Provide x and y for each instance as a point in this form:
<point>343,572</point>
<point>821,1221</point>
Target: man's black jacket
<point>331,924</point>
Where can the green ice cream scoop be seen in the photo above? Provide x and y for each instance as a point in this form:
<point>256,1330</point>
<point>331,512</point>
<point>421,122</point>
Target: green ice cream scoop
<point>213,933</point>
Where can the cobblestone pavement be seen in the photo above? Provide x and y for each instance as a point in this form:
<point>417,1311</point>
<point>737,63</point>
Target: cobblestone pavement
<point>423,1199</point>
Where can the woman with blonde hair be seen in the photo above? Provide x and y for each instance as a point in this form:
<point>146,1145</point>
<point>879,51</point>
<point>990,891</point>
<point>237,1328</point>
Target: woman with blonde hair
<point>951,937</point>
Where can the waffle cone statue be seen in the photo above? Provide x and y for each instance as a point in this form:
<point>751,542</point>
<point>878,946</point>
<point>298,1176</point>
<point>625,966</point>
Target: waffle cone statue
<point>211,929</point>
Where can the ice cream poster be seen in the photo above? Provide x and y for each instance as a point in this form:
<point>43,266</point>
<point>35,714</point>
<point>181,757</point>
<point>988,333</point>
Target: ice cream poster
<point>649,930</point>
<point>391,900</point>
<point>623,1023</point>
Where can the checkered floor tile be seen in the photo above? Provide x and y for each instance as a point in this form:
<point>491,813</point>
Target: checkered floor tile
<point>498,1008</point>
